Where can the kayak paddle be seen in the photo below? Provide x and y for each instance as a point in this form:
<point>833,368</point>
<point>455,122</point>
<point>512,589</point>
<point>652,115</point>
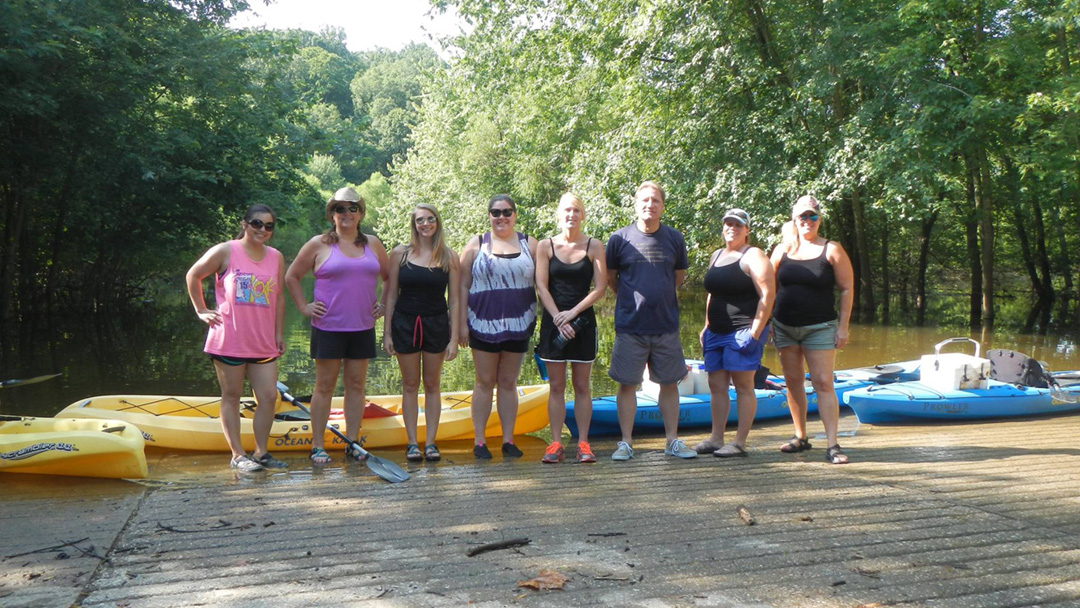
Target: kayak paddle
<point>383,468</point>
<point>34,380</point>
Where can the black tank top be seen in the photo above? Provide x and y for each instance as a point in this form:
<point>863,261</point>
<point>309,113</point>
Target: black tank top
<point>422,290</point>
<point>734,300</point>
<point>805,294</point>
<point>570,283</point>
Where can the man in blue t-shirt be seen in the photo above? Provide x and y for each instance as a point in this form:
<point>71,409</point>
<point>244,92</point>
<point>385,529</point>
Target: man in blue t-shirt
<point>647,262</point>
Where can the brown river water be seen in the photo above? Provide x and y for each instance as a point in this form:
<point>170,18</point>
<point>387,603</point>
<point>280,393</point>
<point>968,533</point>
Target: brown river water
<point>158,350</point>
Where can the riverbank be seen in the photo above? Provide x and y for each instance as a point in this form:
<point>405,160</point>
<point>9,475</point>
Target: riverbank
<point>951,515</point>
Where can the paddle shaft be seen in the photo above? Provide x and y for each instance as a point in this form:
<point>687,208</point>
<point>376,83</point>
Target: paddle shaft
<point>383,468</point>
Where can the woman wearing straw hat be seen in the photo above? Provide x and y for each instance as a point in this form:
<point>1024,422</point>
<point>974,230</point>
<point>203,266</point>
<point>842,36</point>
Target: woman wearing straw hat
<point>347,265</point>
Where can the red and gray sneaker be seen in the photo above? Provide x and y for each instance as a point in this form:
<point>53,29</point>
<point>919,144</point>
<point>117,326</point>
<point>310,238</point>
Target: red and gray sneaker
<point>584,452</point>
<point>554,453</point>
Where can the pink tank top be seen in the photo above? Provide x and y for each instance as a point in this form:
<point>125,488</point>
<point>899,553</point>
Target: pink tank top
<point>347,287</point>
<point>247,299</point>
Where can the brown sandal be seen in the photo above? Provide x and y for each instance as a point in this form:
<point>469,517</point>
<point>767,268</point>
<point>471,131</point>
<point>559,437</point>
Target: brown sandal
<point>834,455</point>
<point>796,444</point>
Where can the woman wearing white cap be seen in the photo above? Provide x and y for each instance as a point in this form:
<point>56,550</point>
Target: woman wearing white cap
<point>809,268</point>
<point>741,289</point>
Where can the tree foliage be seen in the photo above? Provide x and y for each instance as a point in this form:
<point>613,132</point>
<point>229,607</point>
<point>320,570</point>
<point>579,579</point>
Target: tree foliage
<point>929,128</point>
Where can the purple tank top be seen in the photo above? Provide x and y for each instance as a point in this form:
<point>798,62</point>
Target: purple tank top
<point>347,287</point>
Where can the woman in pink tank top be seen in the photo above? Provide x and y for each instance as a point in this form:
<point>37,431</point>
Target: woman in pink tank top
<point>246,328</point>
<point>347,265</point>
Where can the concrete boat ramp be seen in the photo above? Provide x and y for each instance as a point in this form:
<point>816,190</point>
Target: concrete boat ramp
<point>964,515</point>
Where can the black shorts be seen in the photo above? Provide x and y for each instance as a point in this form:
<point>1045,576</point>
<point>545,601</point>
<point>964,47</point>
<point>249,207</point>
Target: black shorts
<point>509,346</point>
<point>582,349</point>
<point>342,344</point>
<point>413,333</point>
<point>237,361</point>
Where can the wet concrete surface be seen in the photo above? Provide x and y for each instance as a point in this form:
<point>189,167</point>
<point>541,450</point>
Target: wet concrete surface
<point>984,514</point>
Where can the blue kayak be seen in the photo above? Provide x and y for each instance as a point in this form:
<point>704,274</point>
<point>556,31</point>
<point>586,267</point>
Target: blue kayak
<point>913,401</point>
<point>695,410</point>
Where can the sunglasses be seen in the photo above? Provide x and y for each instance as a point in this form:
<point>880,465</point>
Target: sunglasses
<point>261,225</point>
<point>809,217</point>
<point>425,220</point>
<point>504,212</point>
<point>341,209</point>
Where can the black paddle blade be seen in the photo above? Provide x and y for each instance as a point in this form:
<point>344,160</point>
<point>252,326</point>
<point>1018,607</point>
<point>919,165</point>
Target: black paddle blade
<point>383,468</point>
<point>34,380</point>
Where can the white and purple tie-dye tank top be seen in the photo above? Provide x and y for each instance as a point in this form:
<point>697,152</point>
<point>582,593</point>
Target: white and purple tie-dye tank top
<point>502,298</point>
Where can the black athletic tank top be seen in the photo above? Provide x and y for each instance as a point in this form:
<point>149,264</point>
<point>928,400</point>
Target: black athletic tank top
<point>734,298</point>
<point>570,283</point>
<point>805,293</point>
<point>421,290</point>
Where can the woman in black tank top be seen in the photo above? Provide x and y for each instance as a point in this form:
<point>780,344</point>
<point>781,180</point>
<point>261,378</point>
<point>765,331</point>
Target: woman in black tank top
<point>809,269</point>
<point>741,289</point>
<point>421,322</point>
<point>571,276</point>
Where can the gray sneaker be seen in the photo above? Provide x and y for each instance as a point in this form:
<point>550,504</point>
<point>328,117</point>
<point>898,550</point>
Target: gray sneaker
<point>245,464</point>
<point>678,448</point>
<point>268,461</point>
<point>623,451</point>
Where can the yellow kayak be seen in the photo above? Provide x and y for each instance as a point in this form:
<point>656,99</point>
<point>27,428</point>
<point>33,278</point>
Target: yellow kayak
<point>63,446</point>
<point>191,423</point>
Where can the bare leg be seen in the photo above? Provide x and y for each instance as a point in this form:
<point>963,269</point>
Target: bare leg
<point>231,379</point>
<point>626,405</point>
<point>791,360</point>
<point>506,400</point>
<point>326,375</point>
<point>669,410</point>
<point>432,369</point>
<point>557,397</point>
<point>263,379</point>
<point>486,367</point>
<point>746,402</point>
<point>821,363</point>
<point>410,387</point>
<point>580,373</point>
<point>355,385</point>
<point>719,404</point>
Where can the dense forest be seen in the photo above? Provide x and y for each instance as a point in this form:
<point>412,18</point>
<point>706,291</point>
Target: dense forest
<point>943,137</point>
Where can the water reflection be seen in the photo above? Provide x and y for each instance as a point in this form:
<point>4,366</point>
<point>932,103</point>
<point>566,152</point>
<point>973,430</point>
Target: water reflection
<point>157,349</point>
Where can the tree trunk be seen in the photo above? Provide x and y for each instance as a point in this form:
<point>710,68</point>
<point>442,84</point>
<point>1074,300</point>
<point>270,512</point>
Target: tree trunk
<point>974,261</point>
<point>865,295</point>
<point>927,229</point>
<point>885,271</point>
<point>985,200</point>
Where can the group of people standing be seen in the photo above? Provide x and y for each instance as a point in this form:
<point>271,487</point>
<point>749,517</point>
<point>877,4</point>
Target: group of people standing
<point>434,301</point>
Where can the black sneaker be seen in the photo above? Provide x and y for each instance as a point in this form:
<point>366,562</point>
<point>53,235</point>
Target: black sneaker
<point>511,450</point>
<point>481,451</point>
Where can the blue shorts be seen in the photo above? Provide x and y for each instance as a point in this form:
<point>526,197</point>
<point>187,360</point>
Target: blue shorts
<point>734,352</point>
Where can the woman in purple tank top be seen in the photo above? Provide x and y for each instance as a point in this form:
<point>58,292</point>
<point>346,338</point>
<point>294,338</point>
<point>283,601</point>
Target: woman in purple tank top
<point>246,329</point>
<point>809,269</point>
<point>347,265</point>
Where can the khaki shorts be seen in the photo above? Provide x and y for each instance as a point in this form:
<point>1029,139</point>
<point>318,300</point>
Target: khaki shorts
<point>662,352</point>
<point>819,336</point>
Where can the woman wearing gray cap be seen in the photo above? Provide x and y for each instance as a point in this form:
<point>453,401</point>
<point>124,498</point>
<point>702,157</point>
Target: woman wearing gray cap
<point>809,270</point>
<point>347,265</point>
<point>741,289</point>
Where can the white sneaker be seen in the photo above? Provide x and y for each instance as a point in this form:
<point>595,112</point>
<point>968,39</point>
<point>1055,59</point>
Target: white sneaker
<point>678,448</point>
<point>623,451</point>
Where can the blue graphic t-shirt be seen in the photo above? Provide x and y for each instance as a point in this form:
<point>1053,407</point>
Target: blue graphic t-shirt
<point>646,302</point>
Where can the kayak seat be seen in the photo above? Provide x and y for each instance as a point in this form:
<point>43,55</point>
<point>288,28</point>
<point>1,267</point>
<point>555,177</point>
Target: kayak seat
<point>1017,368</point>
